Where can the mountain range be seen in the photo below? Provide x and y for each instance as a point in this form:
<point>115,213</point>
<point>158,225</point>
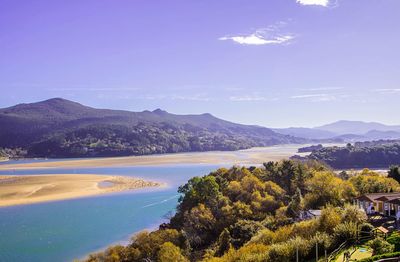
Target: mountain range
<point>63,128</point>
<point>349,131</point>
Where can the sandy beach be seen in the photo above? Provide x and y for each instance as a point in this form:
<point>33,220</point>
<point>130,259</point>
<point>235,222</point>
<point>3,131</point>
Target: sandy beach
<point>18,190</point>
<point>257,155</point>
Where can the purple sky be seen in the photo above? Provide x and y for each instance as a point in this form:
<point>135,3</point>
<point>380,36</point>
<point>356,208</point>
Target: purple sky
<point>275,63</point>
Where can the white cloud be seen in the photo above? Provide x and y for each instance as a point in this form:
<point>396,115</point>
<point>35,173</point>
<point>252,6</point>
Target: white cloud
<point>388,90</point>
<point>95,89</point>
<point>196,97</point>
<point>316,97</point>
<point>246,98</point>
<point>322,89</point>
<point>255,39</point>
<point>263,36</point>
<point>249,98</point>
<point>313,2</point>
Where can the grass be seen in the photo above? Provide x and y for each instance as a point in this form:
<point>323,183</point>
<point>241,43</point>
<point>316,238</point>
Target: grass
<point>359,253</point>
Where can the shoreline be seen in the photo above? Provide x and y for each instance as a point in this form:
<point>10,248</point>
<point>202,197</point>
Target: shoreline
<point>256,155</point>
<point>32,189</point>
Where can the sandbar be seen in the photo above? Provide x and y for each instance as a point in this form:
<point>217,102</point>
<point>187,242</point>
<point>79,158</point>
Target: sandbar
<point>19,190</point>
<point>256,155</point>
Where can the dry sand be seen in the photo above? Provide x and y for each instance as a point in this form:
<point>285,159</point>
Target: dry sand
<point>244,157</point>
<point>18,190</point>
<point>15,190</point>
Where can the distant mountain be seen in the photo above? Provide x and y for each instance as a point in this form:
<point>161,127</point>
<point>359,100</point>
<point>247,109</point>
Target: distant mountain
<point>375,134</point>
<point>309,133</point>
<point>351,138</point>
<point>356,127</point>
<point>62,128</point>
<point>349,131</point>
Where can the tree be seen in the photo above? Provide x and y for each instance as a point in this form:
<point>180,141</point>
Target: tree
<point>345,232</point>
<point>288,174</point>
<point>324,188</point>
<point>380,246</point>
<point>352,213</point>
<point>170,253</point>
<point>372,182</point>
<point>394,172</point>
<point>329,219</point>
<point>149,243</point>
<point>199,225</point>
<point>295,205</point>
<point>243,230</point>
<point>198,190</point>
<point>224,243</point>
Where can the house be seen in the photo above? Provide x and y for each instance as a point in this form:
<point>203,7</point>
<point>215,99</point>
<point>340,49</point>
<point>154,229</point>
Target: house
<point>310,214</point>
<point>383,203</point>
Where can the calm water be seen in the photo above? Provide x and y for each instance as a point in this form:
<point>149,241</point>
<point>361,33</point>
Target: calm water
<point>70,229</point>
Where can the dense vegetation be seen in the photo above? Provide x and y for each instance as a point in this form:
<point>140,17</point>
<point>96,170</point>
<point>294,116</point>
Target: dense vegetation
<point>309,148</point>
<point>12,153</point>
<point>141,139</point>
<point>365,154</point>
<point>61,128</point>
<point>254,214</point>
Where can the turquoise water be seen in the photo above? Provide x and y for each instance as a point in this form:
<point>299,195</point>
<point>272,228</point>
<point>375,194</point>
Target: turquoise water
<point>70,229</point>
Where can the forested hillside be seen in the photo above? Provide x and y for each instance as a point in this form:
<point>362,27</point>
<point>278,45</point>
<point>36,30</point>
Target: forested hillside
<point>383,153</point>
<point>62,128</point>
<point>254,214</point>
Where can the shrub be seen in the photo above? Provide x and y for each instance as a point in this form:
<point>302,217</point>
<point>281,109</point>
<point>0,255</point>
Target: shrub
<point>352,213</point>
<point>170,253</point>
<point>286,252</point>
<point>305,228</point>
<point>378,257</point>
<point>243,231</point>
<point>366,230</point>
<point>380,246</point>
<point>265,236</point>
<point>252,252</point>
<point>345,232</point>
<point>149,243</point>
<point>330,218</point>
<point>394,239</point>
<point>223,243</point>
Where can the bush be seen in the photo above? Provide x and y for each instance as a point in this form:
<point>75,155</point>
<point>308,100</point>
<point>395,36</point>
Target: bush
<point>366,230</point>
<point>305,228</point>
<point>265,236</point>
<point>352,213</point>
<point>286,251</point>
<point>170,253</point>
<point>243,231</point>
<point>330,218</point>
<point>380,246</point>
<point>378,257</point>
<point>252,252</point>
<point>345,232</point>
<point>394,239</point>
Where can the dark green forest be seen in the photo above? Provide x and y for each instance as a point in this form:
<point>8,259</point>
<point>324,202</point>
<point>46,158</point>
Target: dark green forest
<point>373,154</point>
<point>61,128</point>
<point>100,140</point>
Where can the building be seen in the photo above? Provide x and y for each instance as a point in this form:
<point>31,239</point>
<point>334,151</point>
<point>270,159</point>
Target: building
<point>387,204</point>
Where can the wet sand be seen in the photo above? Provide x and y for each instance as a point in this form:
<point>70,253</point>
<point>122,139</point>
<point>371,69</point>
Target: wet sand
<point>241,157</point>
<point>18,190</point>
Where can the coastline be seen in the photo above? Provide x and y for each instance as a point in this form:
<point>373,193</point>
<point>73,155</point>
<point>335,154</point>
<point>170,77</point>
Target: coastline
<point>22,190</point>
<point>256,155</point>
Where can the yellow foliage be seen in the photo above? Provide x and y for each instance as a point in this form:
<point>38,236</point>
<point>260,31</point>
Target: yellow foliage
<point>170,253</point>
<point>251,252</point>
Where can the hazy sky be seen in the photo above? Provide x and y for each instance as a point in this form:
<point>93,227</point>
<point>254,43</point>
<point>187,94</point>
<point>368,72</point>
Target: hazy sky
<point>269,62</point>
